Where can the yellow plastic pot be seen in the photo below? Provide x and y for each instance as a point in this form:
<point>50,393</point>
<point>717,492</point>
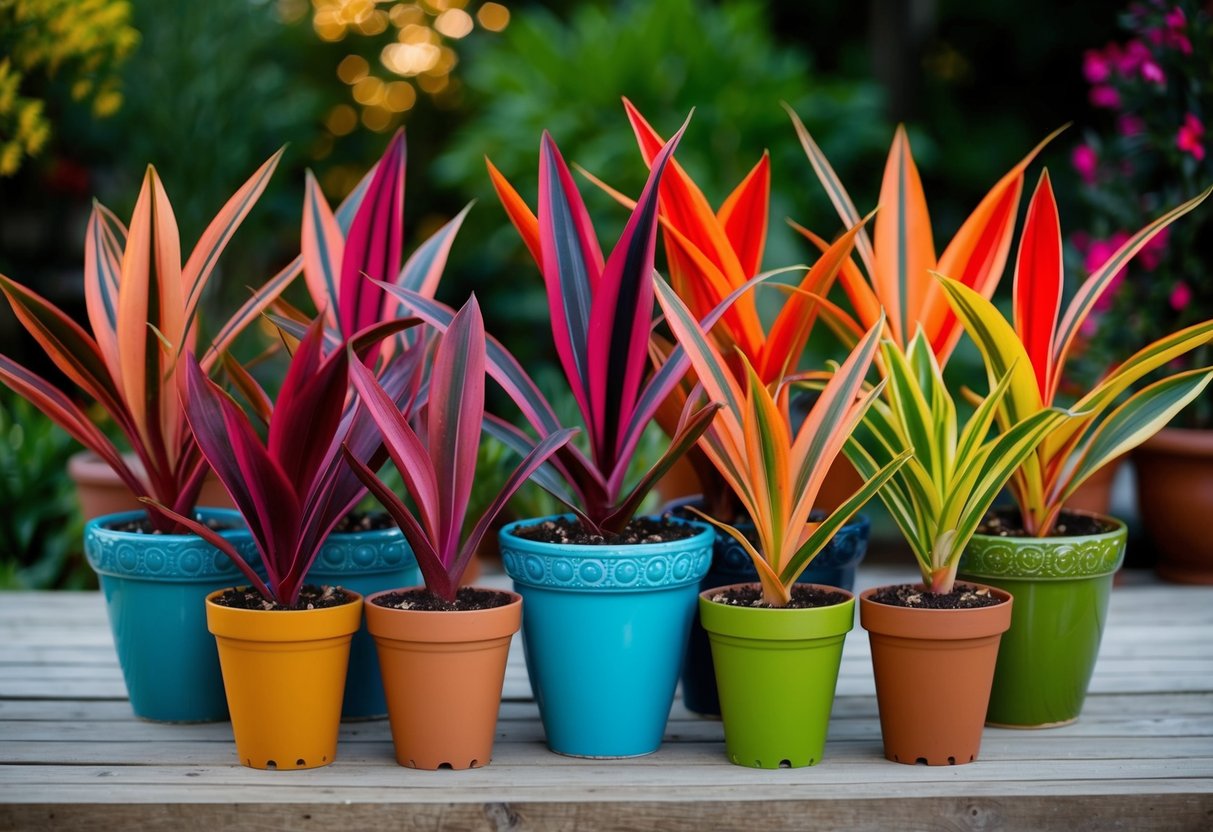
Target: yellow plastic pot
<point>284,676</point>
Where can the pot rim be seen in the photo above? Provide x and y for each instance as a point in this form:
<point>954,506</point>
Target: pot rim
<point>1185,441</point>
<point>1119,528</point>
<point>774,624</point>
<point>704,537</point>
<point>99,525</point>
<point>934,625</point>
<point>283,625</point>
<point>369,601</point>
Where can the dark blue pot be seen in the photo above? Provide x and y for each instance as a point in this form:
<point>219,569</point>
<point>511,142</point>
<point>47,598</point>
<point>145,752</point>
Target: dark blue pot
<point>366,562</point>
<point>834,566</point>
<point>604,630</point>
<point>155,588</point>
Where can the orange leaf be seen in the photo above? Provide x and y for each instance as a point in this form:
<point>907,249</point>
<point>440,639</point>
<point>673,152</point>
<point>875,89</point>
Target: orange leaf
<point>905,251</point>
<point>744,216</point>
<point>863,299</point>
<point>1038,281</point>
<point>519,212</point>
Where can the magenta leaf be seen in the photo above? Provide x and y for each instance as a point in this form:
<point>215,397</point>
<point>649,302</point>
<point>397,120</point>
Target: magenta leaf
<point>375,242</point>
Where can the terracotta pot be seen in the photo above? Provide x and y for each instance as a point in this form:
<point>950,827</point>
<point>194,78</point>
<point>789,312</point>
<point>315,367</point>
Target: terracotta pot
<point>842,480</point>
<point>1095,495</point>
<point>933,671</point>
<point>442,673</point>
<point>101,492</point>
<point>679,482</point>
<point>1175,497</point>
<point>284,674</point>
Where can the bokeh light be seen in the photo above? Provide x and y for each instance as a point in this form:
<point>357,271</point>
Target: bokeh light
<point>415,42</point>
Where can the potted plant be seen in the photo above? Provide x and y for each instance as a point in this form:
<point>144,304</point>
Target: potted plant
<point>1146,150</point>
<point>934,643</point>
<point>1057,562</point>
<point>776,643</point>
<point>443,648</point>
<point>342,254</point>
<point>710,255</point>
<point>283,644</point>
<point>142,305</point>
<point>608,598</point>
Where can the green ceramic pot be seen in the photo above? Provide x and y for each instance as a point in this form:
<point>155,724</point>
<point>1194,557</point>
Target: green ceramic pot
<point>1061,587</point>
<point>776,671</point>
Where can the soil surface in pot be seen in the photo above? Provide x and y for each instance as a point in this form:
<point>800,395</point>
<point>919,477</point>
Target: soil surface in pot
<point>1007,523</point>
<point>468,599</point>
<point>962,597</point>
<point>311,597</point>
<point>144,526</point>
<point>364,521</point>
<point>640,530</point>
<point>803,597</point>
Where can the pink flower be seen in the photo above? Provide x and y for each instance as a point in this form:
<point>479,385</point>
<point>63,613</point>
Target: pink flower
<point>1085,161</point>
<point>1176,19</point>
<point>1130,125</point>
<point>1190,137</point>
<point>1106,97</point>
<point>1099,253</point>
<point>1095,66</point>
<point>1134,55</point>
<point>1153,73</point>
<point>1151,253</point>
<point>1181,295</point>
<point>1179,41</point>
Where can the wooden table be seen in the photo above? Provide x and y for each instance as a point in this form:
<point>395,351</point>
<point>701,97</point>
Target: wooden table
<point>72,755</point>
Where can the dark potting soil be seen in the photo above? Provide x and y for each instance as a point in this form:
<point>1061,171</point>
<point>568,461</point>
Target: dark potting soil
<point>962,597</point>
<point>1007,523</point>
<point>364,521</point>
<point>311,597</point>
<point>803,597</point>
<point>467,599</point>
<point>639,530</point>
<point>144,526</point>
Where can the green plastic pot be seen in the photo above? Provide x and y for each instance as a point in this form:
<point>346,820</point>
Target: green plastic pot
<point>1061,586</point>
<point>776,671</point>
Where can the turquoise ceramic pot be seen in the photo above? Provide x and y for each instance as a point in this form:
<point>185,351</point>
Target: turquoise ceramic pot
<point>604,630</point>
<point>155,588</point>
<point>366,562</point>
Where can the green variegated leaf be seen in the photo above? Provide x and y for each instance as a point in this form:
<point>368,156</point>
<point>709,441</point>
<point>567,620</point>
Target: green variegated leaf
<point>1135,421</point>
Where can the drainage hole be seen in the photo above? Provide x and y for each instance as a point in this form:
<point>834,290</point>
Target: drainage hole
<point>324,759</point>
<point>474,764</point>
<point>972,758</point>
<point>445,767</point>
<point>896,759</point>
<point>785,763</point>
<point>922,760</point>
<point>301,762</point>
<point>951,761</point>
<point>270,764</point>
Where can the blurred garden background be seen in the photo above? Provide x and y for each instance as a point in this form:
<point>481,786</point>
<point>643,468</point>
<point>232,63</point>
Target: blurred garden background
<point>91,91</point>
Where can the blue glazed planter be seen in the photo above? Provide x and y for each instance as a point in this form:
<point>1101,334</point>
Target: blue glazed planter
<point>155,588</point>
<point>834,566</point>
<point>366,562</point>
<point>604,630</point>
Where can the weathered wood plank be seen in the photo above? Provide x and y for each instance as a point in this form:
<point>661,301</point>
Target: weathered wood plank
<point>1174,810</point>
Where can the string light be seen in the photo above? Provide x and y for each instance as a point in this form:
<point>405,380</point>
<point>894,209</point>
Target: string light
<point>418,54</point>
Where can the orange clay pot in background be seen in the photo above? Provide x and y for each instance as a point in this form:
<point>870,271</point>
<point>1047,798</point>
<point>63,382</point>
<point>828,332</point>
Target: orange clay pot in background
<point>1175,496</point>
<point>101,492</point>
<point>841,481</point>
<point>442,673</point>
<point>1095,495</point>
<point>284,674</point>
<point>934,670</point>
